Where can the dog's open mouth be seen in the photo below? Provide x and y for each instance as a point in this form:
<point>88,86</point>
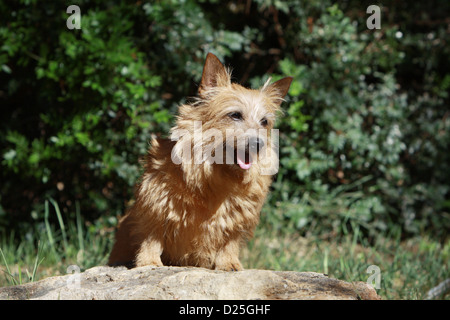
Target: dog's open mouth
<point>244,154</point>
<point>244,159</point>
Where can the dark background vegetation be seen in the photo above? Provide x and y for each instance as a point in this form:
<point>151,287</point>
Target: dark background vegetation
<point>364,142</point>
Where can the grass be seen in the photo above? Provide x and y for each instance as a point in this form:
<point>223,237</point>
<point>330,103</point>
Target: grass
<point>408,269</point>
<point>50,248</point>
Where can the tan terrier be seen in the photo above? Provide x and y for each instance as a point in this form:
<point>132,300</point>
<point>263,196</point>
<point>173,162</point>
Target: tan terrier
<point>202,191</point>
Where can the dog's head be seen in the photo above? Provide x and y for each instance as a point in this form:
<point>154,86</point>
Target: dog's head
<point>229,124</point>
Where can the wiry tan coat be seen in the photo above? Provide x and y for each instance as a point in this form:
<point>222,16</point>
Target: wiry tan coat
<point>195,213</point>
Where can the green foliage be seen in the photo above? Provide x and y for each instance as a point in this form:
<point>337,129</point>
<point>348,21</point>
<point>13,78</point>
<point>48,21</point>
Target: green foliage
<point>408,269</point>
<point>362,143</point>
<point>81,104</point>
<point>355,163</point>
<point>49,249</point>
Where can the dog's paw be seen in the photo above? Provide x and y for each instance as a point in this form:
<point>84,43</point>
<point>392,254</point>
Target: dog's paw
<point>229,266</point>
<point>151,264</point>
<point>142,261</point>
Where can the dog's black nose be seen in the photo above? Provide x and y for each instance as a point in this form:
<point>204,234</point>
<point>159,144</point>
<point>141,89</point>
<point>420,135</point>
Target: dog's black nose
<point>255,144</point>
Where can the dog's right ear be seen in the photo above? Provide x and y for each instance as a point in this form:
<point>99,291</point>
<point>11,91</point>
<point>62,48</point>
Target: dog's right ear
<point>282,86</point>
<point>214,75</point>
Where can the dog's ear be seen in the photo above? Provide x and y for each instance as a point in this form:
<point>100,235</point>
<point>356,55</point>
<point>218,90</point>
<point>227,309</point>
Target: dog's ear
<point>214,74</point>
<point>282,86</point>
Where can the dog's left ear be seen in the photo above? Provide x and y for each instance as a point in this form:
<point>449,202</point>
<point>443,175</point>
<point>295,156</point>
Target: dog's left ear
<point>214,74</point>
<point>281,86</point>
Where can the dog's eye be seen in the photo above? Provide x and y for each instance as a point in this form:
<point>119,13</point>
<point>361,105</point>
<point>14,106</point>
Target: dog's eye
<point>235,115</point>
<point>264,122</point>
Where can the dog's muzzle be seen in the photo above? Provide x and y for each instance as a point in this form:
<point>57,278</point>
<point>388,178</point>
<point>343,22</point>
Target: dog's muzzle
<point>245,154</point>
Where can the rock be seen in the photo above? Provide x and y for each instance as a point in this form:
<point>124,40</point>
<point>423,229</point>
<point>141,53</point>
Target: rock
<point>100,283</point>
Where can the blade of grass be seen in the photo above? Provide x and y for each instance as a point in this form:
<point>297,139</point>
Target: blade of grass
<point>20,273</point>
<point>79,226</point>
<point>8,271</point>
<point>355,238</point>
<point>61,223</point>
<point>29,276</point>
<point>51,240</point>
<point>325,262</point>
<point>36,263</point>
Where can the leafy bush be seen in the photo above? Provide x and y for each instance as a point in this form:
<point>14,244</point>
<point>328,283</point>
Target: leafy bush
<point>80,105</point>
<point>360,160</point>
<point>363,139</point>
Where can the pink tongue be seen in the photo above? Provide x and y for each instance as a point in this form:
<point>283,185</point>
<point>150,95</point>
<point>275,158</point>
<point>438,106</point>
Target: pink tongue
<point>243,165</point>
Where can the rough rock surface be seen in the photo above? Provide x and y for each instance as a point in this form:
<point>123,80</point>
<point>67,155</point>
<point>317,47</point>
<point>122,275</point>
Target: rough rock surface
<point>101,283</point>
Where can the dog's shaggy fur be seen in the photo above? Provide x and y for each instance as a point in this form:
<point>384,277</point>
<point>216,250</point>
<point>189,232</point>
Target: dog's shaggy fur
<point>201,195</point>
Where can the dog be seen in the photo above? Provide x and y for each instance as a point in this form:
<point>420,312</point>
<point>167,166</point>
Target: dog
<point>202,191</point>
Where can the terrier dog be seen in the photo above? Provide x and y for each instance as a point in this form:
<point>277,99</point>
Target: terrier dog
<point>202,191</point>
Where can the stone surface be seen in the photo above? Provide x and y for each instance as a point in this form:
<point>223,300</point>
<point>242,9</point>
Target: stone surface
<point>145,283</point>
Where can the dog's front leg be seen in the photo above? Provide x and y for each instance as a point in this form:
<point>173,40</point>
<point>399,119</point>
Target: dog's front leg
<point>227,258</point>
<point>149,253</point>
